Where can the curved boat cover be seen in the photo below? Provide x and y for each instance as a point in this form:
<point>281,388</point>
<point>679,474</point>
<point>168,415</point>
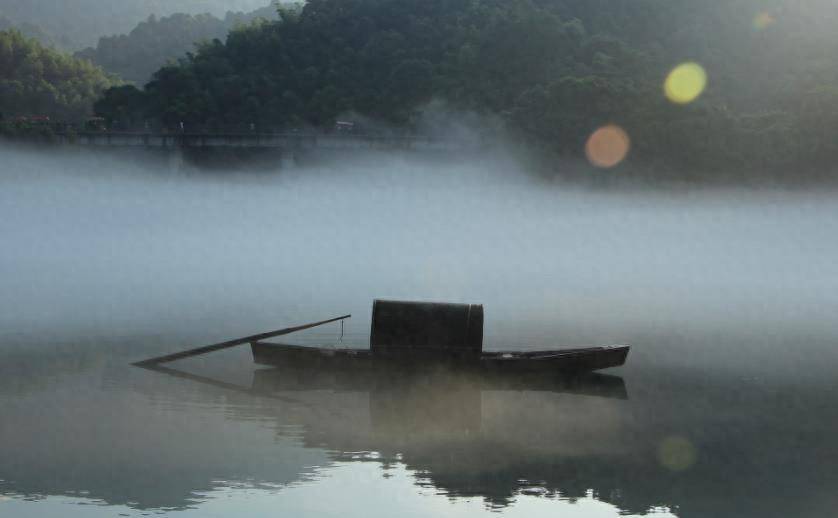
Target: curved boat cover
<point>400,325</point>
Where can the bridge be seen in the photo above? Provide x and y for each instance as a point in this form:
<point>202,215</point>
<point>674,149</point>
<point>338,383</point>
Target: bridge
<point>290,142</point>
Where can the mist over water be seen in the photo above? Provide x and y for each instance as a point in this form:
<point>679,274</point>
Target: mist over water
<point>111,246</point>
<point>726,296</point>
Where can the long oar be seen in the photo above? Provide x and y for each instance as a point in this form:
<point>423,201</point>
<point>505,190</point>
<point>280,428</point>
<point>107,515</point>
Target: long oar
<point>232,343</point>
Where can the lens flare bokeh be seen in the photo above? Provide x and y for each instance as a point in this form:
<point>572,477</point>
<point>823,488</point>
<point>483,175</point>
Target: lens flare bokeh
<point>685,83</point>
<point>607,146</point>
<point>763,21</point>
<point>677,453</point>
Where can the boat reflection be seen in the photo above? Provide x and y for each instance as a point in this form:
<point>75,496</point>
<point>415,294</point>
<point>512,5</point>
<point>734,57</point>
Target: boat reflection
<point>476,435</point>
<point>396,377</point>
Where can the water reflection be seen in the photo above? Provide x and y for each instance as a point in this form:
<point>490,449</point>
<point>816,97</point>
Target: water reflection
<point>79,423</point>
<point>469,436</point>
<point>450,428</point>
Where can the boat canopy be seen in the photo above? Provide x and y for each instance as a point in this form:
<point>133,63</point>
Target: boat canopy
<point>399,325</point>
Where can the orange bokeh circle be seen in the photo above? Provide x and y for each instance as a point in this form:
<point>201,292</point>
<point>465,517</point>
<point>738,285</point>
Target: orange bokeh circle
<point>607,146</point>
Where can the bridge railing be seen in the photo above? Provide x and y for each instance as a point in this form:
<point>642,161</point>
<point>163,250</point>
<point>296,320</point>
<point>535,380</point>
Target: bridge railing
<point>264,140</point>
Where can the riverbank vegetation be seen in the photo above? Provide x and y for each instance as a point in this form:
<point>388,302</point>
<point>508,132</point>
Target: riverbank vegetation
<point>664,85</point>
<point>40,82</point>
<point>553,71</point>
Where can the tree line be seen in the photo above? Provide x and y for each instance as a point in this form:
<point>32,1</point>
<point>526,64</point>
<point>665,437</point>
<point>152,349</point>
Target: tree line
<point>152,43</point>
<point>39,81</point>
<point>551,71</point>
<point>76,24</point>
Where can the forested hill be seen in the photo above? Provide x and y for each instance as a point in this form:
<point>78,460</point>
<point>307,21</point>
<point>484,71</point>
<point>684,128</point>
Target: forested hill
<point>554,70</point>
<point>76,24</point>
<point>36,80</point>
<point>137,55</point>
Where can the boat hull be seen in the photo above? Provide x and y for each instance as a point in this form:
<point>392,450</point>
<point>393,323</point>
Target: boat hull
<point>564,361</point>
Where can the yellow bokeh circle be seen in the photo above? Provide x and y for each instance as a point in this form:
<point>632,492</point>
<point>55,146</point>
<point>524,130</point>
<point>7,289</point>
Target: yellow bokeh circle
<point>677,453</point>
<point>685,83</point>
<point>607,146</point>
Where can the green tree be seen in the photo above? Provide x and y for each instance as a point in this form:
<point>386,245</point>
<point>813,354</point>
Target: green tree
<point>35,80</point>
<point>552,70</point>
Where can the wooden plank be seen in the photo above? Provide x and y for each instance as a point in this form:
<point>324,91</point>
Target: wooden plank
<point>233,343</point>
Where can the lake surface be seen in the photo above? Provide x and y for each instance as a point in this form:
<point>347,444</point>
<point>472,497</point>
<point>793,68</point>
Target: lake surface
<point>727,407</point>
<point>85,434</point>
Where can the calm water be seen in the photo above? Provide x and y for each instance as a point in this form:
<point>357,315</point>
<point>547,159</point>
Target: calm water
<point>727,408</point>
<point>83,434</point>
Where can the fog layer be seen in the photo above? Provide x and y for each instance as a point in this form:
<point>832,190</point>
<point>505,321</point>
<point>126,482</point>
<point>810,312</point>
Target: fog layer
<point>104,245</point>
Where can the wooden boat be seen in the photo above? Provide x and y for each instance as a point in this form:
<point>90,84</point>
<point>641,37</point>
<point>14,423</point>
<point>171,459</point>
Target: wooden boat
<point>423,334</point>
<point>559,360</point>
<point>417,335</point>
